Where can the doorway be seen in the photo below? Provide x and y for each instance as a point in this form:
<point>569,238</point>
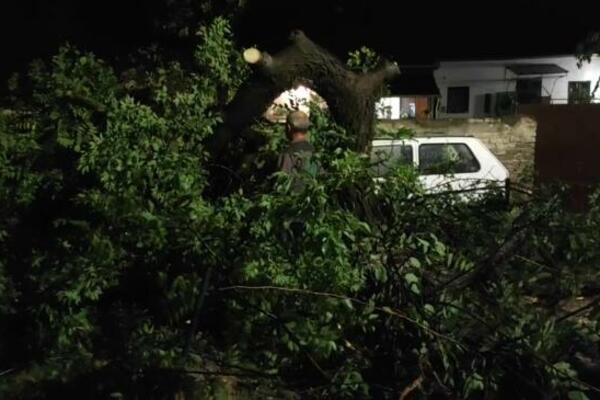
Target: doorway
<point>529,91</point>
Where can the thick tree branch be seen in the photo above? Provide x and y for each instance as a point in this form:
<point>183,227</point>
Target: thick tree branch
<point>350,96</point>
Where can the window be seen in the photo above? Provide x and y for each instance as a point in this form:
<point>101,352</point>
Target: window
<point>442,158</point>
<point>458,100</point>
<point>506,103</point>
<point>407,107</point>
<point>386,157</point>
<point>579,92</point>
<point>487,103</point>
<point>529,91</point>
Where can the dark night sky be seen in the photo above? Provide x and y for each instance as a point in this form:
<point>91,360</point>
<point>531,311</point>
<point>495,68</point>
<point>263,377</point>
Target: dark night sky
<point>409,31</point>
<point>415,31</point>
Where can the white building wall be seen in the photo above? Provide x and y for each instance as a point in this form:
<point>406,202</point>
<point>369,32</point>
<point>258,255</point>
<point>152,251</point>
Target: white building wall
<point>388,108</point>
<point>492,77</point>
<point>396,107</point>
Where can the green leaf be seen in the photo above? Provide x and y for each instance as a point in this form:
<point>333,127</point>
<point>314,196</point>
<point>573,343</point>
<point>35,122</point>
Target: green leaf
<point>348,303</point>
<point>473,383</point>
<point>411,278</point>
<point>577,395</point>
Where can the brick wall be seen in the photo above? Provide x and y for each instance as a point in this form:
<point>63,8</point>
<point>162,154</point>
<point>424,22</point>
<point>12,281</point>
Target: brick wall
<point>511,140</point>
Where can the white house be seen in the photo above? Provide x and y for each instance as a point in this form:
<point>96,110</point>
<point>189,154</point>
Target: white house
<point>495,87</point>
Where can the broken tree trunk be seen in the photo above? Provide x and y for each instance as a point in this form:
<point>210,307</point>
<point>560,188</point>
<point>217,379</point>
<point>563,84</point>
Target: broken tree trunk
<point>350,96</point>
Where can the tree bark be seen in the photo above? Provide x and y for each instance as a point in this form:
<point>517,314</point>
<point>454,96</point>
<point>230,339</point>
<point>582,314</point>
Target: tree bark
<point>350,96</point>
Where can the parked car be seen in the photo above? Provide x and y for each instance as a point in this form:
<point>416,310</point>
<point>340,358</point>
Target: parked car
<point>445,163</point>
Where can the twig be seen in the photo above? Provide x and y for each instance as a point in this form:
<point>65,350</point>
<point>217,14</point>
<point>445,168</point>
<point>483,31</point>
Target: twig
<point>8,371</point>
<point>483,268</point>
<point>580,309</point>
<point>410,388</point>
<point>469,313</point>
<point>79,99</point>
<point>295,339</point>
<point>400,315</point>
<point>384,309</point>
<point>222,364</point>
<point>508,340</point>
<point>218,373</point>
<point>196,316</point>
<point>542,360</point>
<point>563,373</point>
<point>537,264</point>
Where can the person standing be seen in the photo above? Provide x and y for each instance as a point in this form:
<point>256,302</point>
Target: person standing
<point>297,159</point>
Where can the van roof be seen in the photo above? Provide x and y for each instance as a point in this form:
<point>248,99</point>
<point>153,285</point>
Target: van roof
<point>427,135</point>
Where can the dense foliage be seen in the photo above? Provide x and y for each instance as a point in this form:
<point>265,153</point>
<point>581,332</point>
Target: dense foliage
<point>124,274</point>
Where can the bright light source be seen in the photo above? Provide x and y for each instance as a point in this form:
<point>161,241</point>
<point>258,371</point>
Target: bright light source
<point>298,98</point>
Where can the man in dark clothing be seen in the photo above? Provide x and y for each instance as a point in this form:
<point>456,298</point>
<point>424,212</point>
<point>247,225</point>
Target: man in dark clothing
<point>297,161</point>
<point>297,158</point>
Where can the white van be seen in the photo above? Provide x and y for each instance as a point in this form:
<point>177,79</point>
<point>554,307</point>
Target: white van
<point>455,163</point>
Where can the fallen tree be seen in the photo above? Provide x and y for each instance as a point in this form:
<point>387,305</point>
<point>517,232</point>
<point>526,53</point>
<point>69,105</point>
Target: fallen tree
<point>120,277</point>
<point>350,96</point>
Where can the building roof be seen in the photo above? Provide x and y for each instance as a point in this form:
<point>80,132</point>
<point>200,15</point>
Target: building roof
<point>414,81</point>
<point>500,57</point>
<point>536,69</point>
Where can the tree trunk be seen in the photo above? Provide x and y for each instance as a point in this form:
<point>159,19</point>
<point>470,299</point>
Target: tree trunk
<point>350,96</point>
